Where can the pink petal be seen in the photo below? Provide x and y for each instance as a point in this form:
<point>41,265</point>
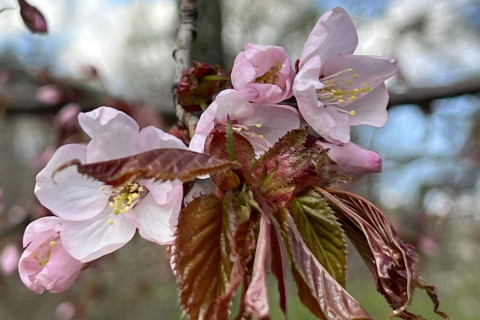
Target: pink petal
<point>41,229</point>
<point>114,134</point>
<point>232,103</point>
<point>205,125</point>
<point>370,71</point>
<point>60,272</point>
<point>162,191</point>
<point>228,102</point>
<point>71,195</point>
<point>371,109</point>
<point>242,71</point>
<point>255,62</point>
<point>155,138</point>
<point>60,269</point>
<point>353,160</point>
<point>275,121</point>
<point>90,239</point>
<point>256,300</point>
<point>157,223</point>
<point>340,132</point>
<point>333,34</point>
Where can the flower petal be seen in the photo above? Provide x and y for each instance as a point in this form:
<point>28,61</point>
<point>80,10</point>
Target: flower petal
<point>228,103</point>
<point>242,71</point>
<point>161,190</point>
<point>60,272</point>
<point>41,229</point>
<point>114,134</point>
<point>155,138</point>
<point>352,159</point>
<point>157,223</point>
<point>90,239</point>
<point>371,109</point>
<point>333,34</point>
<point>231,103</point>
<point>367,71</point>
<point>274,121</point>
<point>205,124</point>
<point>71,195</point>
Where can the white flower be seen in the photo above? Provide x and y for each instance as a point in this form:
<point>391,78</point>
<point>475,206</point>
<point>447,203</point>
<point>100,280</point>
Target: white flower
<point>98,218</point>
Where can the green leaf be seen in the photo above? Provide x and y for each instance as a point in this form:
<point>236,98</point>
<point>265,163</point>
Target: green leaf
<point>321,232</point>
<point>159,164</point>
<point>201,256</point>
<point>317,289</point>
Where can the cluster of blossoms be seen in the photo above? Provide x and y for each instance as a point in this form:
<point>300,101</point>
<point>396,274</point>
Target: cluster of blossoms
<point>333,88</point>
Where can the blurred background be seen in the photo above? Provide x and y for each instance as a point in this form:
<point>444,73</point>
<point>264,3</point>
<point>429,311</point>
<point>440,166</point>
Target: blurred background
<point>119,53</point>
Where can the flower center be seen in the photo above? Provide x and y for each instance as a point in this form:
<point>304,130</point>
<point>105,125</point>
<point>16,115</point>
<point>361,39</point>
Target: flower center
<point>124,197</point>
<point>271,76</point>
<point>42,254</point>
<point>340,88</point>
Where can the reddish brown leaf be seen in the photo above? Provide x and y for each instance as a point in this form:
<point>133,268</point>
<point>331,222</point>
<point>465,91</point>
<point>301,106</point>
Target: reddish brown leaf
<point>317,289</point>
<point>278,268</point>
<point>32,17</point>
<point>392,262</point>
<point>243,245</point>
<point>201,257</point>
<point>159,164</point>
<point>216,142</point>
<point>216,146</point>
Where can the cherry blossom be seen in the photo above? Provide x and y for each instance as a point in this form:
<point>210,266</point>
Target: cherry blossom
<point>263,74</point>
<point>336,89</point>
<point>45,264</point>
<point>261,124</point>
<point>99,218</point>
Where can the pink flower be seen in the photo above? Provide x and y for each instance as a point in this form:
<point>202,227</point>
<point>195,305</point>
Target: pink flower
<point>263,74</point>
<point>100,219</point>
<point>353,160</point>
<point>9,259</point>
<point>261,124</point>
<point>335,89</point>
<point>45,264</point>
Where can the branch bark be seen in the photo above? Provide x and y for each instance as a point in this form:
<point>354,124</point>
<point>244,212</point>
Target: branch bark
<point>188,10</point>
<point>424,96</point>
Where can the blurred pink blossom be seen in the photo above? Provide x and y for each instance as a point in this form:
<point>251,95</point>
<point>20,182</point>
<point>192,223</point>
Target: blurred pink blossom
<point>9,259</point>
<point>65,311</point>
<point>49,94</point>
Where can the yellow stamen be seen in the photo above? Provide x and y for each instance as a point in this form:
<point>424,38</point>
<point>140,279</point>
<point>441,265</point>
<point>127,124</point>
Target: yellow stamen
<point>52,243</point>
<point>110,222</point>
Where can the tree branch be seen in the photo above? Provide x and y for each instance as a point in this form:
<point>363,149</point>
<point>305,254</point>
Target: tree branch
<point>424,96</point>
<point>188,10</point>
